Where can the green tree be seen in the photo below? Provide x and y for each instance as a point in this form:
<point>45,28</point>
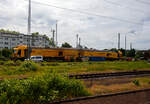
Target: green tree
<point>66,45</point>
<point>123,51</point>
<point>0,53</point>
<point>139,54</point>
<point>35,34</point>
<point>8,31</point>
<point>114,50</point>
<point>51,43</point>
<point>6,53</point>
<point>46,37</point>
<point>131,53</point>
<point>85,47</point>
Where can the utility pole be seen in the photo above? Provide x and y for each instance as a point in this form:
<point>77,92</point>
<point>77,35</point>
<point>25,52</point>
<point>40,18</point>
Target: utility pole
<point>29,18</point>
<point>53,38</point>
<point>29,27</point>
<point>56,33</point>
<point>118,41</point>
<point>77,41</point>
<point>130,46</point>
<point>125,44</point>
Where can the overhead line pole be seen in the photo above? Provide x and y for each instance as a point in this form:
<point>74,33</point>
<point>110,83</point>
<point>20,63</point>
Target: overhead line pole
<point>53,38</point>
<point>29,27</point>
<point>125,44</point>
<point>130,46</point>
<point>118,41</point>
<point>29,18</point>
<point>56,34</point>
<point>77,41</point>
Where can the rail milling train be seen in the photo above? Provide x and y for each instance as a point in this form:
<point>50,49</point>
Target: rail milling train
<point>65,54</point>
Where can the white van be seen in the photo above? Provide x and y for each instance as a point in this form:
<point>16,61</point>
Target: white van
<point>36,58</point>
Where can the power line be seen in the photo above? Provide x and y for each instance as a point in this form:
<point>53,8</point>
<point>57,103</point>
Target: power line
<point>118,4</point>
<point>143,2</point>
<point>88,13</point>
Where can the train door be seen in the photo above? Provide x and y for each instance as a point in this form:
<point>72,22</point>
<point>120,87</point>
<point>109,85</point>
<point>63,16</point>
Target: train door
<point>25,53</point>
<point>60,54</point>
<point>19,53</point>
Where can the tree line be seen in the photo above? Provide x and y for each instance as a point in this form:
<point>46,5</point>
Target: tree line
<point>8,31</point>
<point>6,53</point>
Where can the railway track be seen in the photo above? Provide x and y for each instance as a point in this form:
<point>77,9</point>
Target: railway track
<point>104,75</point>
<point>109,75</point>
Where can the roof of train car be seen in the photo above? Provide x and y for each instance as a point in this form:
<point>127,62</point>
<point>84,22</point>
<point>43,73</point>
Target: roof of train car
<point>92,50</point>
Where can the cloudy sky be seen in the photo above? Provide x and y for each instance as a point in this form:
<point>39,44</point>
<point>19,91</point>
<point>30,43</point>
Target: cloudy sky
<point>96,21</point>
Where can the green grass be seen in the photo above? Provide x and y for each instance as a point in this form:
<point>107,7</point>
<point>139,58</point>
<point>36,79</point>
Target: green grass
<point>15,69</point>
<point>144,80</point>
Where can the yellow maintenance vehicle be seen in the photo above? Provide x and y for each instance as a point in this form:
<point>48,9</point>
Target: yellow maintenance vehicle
<point>66,54</point>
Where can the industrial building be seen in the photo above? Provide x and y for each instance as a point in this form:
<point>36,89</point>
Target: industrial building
<point>10,40</point>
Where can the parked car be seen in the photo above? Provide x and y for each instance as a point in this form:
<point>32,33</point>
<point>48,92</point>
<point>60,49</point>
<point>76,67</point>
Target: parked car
<point>36,58</point>
<point>148,60</point>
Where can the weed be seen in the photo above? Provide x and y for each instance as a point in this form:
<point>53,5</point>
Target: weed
<point>9,63</point>
<point>95,68</point>
<point>28,66</point>
<point>136,82</point>
<point>2,62</point>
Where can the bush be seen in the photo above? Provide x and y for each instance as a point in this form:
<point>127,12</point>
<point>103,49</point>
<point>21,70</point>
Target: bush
<point>43,89</point>
<point>29,66</point>
<point>18,62</point>
<point>2,62</point>
<point>136,82</point>
<point>9,63</point>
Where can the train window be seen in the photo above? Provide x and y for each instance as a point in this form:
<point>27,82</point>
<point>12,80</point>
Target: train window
<point>19,52</point>
<point>60,54</point>
<point>79,54</point>
<point>109,54</point>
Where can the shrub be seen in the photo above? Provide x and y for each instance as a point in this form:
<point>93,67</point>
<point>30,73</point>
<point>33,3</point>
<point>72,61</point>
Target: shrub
<point>18,62</point>
<point>9,63</point>
<point>29,66</point>
<point>2,62</point>
<point>136,82</point>
<point>43,89</point>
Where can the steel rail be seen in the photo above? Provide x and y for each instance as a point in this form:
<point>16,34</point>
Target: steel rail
<point>103,75</point>
<point>108,75</point>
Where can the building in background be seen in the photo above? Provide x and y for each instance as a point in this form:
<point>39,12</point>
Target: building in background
<point>10,40</point>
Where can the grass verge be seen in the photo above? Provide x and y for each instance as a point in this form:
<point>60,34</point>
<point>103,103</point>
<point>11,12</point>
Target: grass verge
<point>9,69</point>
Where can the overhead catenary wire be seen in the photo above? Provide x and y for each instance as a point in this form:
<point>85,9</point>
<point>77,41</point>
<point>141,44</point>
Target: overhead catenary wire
<point>89,13</point>
<point>124,6</point>
<point>143,2</point>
